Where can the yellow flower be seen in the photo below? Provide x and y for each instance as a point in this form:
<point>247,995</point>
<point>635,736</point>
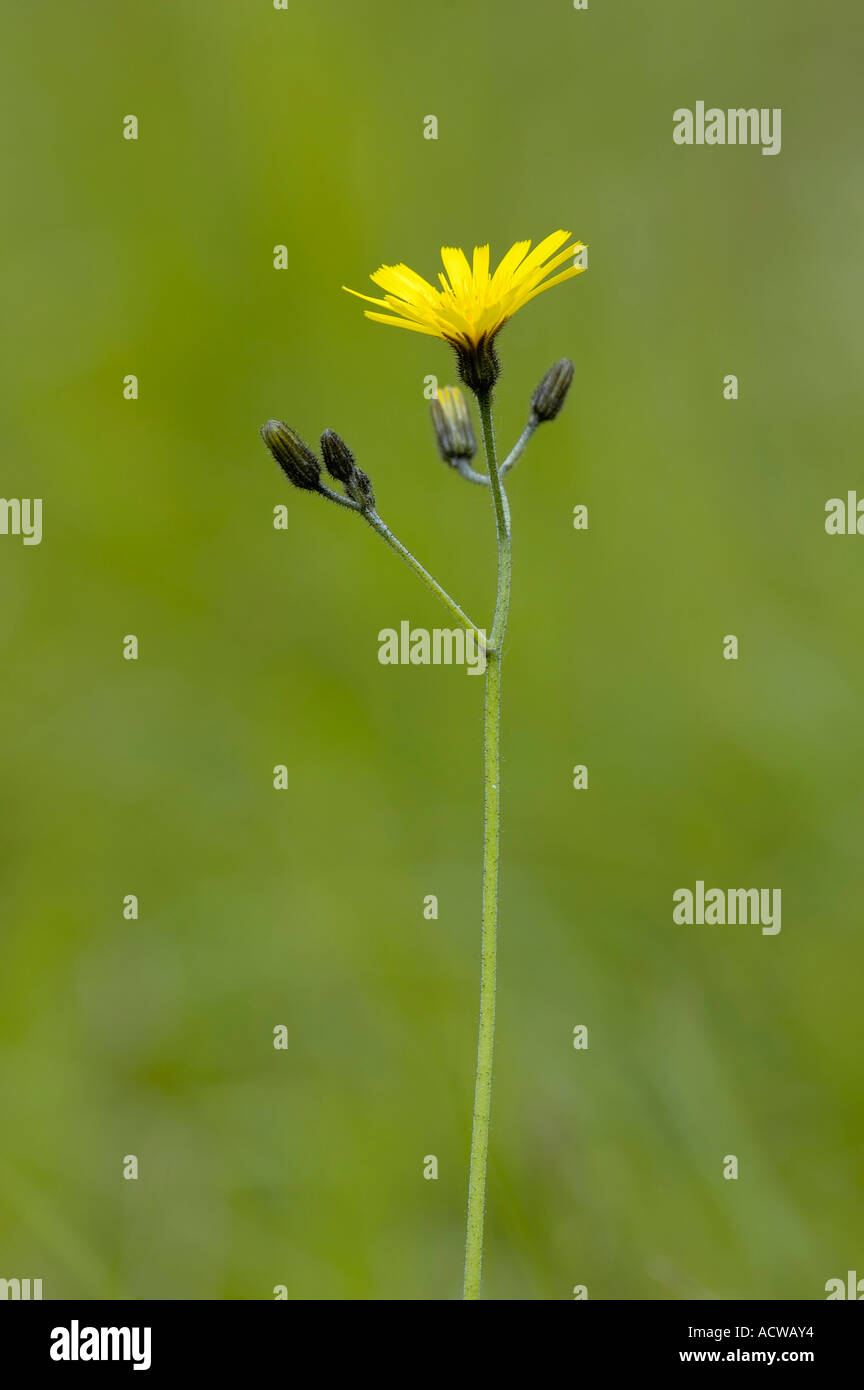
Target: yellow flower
<point>472,305</point>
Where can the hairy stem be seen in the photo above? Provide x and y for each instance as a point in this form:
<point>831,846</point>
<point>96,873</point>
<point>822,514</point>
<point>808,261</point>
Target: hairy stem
<point>518,449</point>
<point>386,534</point>
<point>491,855</point>
<point>472,476</point>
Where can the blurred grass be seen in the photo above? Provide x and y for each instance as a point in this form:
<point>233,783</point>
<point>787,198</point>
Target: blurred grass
<point>259,647</point>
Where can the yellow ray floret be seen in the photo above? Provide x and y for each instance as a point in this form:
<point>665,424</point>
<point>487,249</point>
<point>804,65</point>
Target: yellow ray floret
<point>472,306</point>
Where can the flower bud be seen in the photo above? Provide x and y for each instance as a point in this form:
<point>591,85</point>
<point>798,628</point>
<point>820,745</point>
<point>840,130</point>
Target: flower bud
<point>341,466</point>
<point>338,458</point>
<point>295,458</point>
<point>454,432</point>
<point>552,391</point>
<point>360,489</point>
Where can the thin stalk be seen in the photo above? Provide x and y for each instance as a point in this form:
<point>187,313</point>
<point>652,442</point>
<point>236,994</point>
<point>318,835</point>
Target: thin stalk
<point>518,449</point>
<point>386,534</point>
<point>491,856</point>
<point>472,476</point>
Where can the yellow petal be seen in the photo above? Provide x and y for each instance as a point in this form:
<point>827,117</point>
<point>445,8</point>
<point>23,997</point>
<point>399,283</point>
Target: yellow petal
<point>402,323</point>
<point>535,276</point>
<point>403,281</point>
<point>543,249</point>
<point>457,267</point>
<point>556,280</point>
<point>382,302</point>
<point>508,264</point>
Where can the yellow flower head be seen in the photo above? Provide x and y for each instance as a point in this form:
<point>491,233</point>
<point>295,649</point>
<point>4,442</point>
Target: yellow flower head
<point>472,305</point>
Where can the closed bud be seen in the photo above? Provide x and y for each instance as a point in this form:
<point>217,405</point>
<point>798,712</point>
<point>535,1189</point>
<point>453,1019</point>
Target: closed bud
<point>360,489</point>
<point>338,458</point>
<point>454,432</point>
<point>295,458</point>
<point>552,391</point>
<point>341,466</point>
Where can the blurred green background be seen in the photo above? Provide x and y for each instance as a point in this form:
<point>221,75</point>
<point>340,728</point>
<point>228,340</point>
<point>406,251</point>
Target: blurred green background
<point>259,647</point>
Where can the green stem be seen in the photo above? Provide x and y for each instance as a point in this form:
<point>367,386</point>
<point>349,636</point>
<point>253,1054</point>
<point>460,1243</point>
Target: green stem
<point>491,856</point>
<point>518,449</point>
<point>472,476</point>
<point>386,534</point>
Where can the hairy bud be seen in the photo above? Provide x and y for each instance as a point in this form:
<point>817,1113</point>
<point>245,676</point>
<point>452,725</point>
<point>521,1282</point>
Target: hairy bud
<point>360,489</point>
<point>552,391</point>
<point>454,432</point>
<point>341,466</point>
<point>295,458</point>
<point>338,458</point>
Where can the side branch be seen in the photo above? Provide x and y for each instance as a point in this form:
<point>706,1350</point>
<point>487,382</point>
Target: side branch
<point>379,527</point>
